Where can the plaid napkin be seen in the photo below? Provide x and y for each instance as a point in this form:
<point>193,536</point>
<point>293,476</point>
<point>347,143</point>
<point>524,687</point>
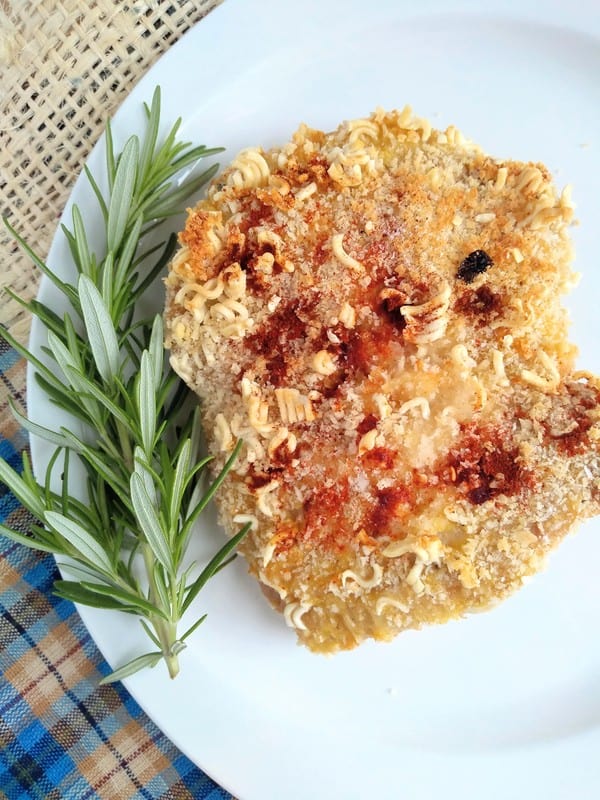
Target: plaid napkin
<point>62,735</point>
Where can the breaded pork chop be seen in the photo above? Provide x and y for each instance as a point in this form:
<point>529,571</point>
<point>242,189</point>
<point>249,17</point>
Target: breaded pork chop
<point>376,313</point>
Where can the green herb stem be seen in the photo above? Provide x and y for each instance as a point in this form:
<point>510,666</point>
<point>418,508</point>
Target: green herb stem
<point>166,631</point>
<point>142,463</point>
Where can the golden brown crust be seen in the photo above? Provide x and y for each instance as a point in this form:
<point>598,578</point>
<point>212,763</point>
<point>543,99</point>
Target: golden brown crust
<point>376,313</point>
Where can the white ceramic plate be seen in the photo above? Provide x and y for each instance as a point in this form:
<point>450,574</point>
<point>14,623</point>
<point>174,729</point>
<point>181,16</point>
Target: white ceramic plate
<point>505,704</point>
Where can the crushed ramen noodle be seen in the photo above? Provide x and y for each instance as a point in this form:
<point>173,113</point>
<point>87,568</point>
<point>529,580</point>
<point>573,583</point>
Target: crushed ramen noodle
<point>376,313</point>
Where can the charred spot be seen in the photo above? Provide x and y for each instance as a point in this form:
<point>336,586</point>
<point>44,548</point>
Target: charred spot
<point>366,424</point>
<point>473,265</point>
<point>245,258</point>
<point>392,300</point>
<point>390,308</point>
<point>266,247</point>
<point>247,250</point>
<point>380,457</point>
<point>483,303</point>
<point>391,504</point>
<point>256,480</point>
<point>479,495</point>
<point>234,249</point>
<point>486,464</point>
<point>397,293</point>
<point>331,384</point>
<point>281,456</point>
<point>277,368</point>
<point>258,214</point>
<point>356,354</point>
<point>273,337</point>
<point>249,261</point>
<point>366,347</point>
<point>237,252</point>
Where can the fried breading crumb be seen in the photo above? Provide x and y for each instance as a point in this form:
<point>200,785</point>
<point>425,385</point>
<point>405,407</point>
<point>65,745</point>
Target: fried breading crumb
<point>376,313</point>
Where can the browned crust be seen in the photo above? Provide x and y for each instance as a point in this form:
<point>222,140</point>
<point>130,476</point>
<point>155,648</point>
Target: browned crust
<point>376,312</point>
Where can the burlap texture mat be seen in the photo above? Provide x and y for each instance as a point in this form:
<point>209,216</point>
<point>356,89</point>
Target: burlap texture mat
<point>65,66</point>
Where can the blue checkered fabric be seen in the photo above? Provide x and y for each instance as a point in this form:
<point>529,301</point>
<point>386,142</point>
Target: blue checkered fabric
<point>61,734</point>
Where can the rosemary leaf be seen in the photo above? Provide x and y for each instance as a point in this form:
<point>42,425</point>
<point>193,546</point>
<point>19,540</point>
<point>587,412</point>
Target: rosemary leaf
<point>33,544</point>
<point>65,288</point>
<point>69,363</point>
<point>107,285</point>
<point>122,194</point>
<point>83,574</point>
<point>110,161</point>
<point>156,351</point>
<point>127,598</point>
<point>100,329</point>
<point>83,256</point>
<point>148,521</point>
<point>154,272</point>
<point>193,627</point>
<point>171,203</point>
<point>51,320</point>
<point>179,484</point>
<point>77,593</point>
<point>212,489</point>
<point>133,666</point>
<point>57,439</point>
<point>83,542</point>
<point>97,192</point>
<point>88,390</point>
<point>149,632</point>
<point>212,567</point>
<point>146,402</point>
<point>42,369</point>
<point>148,476</point>
<point>150,138</point>
<point>127,254</point>
<point>22,491</point>
<point>158,586</point>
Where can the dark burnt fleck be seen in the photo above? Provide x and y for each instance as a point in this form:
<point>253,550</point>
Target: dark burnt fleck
<point>473,265</point>
<point>390,308</point>
<point>366,424</point>
<point>397,293</point>
<point>486,301</point>
<point>486,464</point>
<point>392,503</point>
<point>480,494</point>
<point>275,338</point>
<point>255,480</point>
<point>482,304</point>
<point>282,456</point>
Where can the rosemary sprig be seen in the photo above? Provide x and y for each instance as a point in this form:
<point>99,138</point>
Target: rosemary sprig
<point>136,431</point>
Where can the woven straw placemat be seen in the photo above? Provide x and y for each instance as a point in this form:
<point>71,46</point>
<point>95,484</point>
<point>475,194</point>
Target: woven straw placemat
<point>65,66</point>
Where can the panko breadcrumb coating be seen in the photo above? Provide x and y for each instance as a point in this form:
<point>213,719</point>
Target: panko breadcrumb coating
<point>376,313</point>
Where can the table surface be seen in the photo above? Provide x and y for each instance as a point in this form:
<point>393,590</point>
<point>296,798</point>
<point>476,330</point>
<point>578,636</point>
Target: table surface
<point>62,74</point>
